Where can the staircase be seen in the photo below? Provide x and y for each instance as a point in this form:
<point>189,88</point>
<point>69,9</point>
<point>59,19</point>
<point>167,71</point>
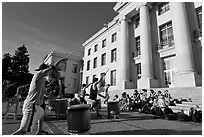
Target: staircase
<point>185,93</point>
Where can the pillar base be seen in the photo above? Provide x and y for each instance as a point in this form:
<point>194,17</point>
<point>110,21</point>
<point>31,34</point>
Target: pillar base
<point>147,83</point>
<point>127,85</point>
<point>187,80</point>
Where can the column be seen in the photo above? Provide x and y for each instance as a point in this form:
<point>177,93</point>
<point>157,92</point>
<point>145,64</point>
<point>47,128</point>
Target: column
<point>124,50</point>
<point>182,39</point>
<point>145,41</point>
<point>147,79</point>
<point>184,56</point>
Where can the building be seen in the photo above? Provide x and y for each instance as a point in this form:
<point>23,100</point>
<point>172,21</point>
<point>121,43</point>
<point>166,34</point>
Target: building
<point>148,45</point>
<point>70,71</point>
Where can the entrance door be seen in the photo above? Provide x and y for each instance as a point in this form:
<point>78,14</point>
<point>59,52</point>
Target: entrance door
<point>169,68</point>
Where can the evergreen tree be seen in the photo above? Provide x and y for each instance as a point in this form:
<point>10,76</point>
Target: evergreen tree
<point>6,66</point>
<point>21,59</point>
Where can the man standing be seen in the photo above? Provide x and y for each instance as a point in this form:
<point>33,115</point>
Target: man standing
<point>32,110</point>
<point>94,93</point>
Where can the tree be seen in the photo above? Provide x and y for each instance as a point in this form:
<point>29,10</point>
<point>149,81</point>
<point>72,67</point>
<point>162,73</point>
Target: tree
<point>15,70</point>
<point>21,61</point>
<point>6,66</point>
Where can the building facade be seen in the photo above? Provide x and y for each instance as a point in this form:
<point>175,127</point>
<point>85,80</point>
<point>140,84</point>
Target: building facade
<point>147,45</point>
<point>70,70</point>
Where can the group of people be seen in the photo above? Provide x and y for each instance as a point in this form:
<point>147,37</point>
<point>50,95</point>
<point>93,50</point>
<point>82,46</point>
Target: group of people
<point>34,104</point>
<point>144,101</point>
<point>92,99</point>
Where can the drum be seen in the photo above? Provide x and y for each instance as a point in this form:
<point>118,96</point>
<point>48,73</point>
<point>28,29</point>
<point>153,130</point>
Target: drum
<point>61,107</point>
<point>113,108</point>
<point>79,119</point>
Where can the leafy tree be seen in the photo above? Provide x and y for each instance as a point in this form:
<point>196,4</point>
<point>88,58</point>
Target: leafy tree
<point>6,66</point>
<point>21,60</point>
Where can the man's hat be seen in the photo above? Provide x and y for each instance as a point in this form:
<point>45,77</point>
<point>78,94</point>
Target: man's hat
<point>42,67</point>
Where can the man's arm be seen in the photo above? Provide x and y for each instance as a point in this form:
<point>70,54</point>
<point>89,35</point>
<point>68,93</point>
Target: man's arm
<point>88,85</point>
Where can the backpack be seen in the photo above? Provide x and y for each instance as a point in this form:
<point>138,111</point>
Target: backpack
<point>168,111</point>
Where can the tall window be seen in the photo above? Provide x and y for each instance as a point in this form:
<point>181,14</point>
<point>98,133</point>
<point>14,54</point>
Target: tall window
<point>137,21</point>
<point>138,67</point>
<point>102,84</point>
<point>103,43</point>
<point>113,55</point>
<point>63,67</point>
<point>96,48</point>
<point>87,80</point>
<point>88,65</point>
<point>113,78</point>
<point>163,7</point>
<point>113,37</point>
<point>166,33</point>
<point>89,52</point>
<point>74,68</point>
<point>103,59</point>
<point>95,62</point>
<point>199,15</point>
<point>137,40</point>
<point>169,66</point>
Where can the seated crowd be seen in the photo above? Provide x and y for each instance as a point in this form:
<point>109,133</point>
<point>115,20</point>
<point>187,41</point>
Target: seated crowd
<point>156,103</point>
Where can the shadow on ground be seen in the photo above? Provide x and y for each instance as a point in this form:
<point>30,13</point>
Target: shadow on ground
<point>151,132</point>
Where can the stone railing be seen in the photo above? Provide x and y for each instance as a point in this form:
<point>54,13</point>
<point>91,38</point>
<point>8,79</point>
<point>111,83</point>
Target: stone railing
<point>165,44</point>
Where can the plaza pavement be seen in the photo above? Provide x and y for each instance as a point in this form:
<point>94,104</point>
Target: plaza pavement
<point>128,123</point>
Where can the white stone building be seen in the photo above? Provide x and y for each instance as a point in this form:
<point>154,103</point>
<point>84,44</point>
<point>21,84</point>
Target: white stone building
<point>70,71</point>
<point>148,45</point>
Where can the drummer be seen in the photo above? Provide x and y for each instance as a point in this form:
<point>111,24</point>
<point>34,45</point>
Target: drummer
<point>93,95</point>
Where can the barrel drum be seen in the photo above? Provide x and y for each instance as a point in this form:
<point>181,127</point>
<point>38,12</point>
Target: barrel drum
<point>79,119</point>
<point>61,107</point>
<point>113,108</point>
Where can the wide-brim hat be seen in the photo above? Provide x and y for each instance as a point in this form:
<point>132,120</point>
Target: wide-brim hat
<point>42,67</point>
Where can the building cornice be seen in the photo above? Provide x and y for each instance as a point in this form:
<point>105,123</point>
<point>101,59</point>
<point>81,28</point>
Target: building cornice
<point>124,9</point>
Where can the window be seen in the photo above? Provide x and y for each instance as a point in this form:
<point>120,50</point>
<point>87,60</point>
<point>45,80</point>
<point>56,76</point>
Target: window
<point>103,43</point>
<point>113,37</point>
<point>113,78</point>
<point>96,48</point>
<point>95,62</point>
<point>63,67</point>
<point>103,59</point>
<point>102,84</point>
<point>74,68</point>
<point>87,80</point>
<point>199,16</point>
<point>138,67</point>
<point>166,34</point>
<point>169,67</point>
<point>137,21</point>
<point>137,40</point>
<point>88,65</point>
<point>89,52</point>
<point>164,7</point>
<point>113,55</point>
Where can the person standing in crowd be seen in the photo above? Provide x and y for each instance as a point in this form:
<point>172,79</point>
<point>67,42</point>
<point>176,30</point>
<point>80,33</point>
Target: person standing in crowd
<point>93,95</point>
<point>83,93</point>
<point>32,110</point>
<point>106,94</point>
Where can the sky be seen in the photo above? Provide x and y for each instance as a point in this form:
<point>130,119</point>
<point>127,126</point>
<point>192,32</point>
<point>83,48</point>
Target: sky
<point>46,26</point>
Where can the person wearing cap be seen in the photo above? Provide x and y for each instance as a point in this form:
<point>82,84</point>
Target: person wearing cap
<point>32,110</point>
